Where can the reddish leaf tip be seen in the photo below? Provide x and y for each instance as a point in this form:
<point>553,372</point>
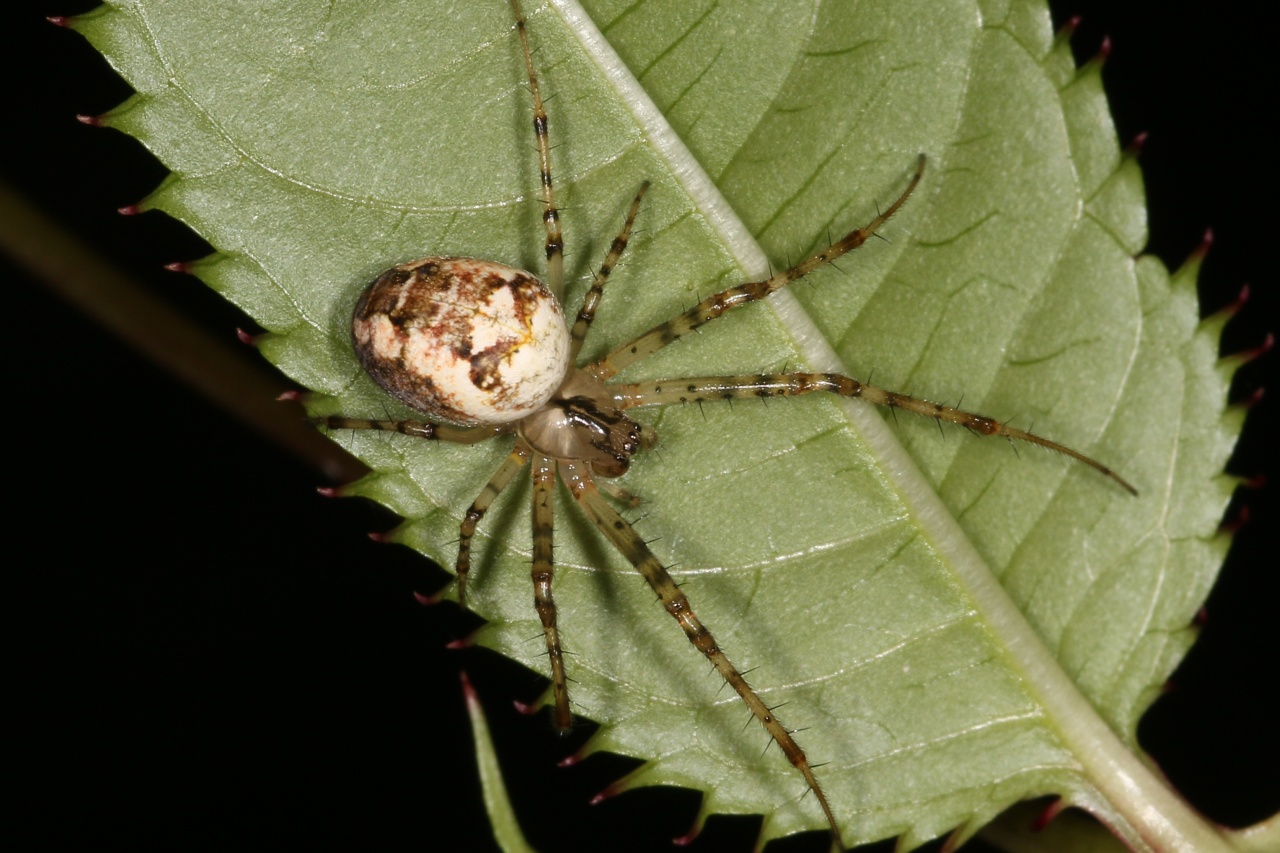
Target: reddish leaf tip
<point>180,266</point>
<point>1203,249</point>
<point>92,121</point>
<point>424,599</point>
<point>1241,298</point>
<point>468,691</point>
<point>525,708</point>
<point>328,492</point>
<point>1104,50</point>
<point>129,210</point>
<point>59,20</point>
<point>1050,812</point>
<point>608,792</point>
<point>1233,526</point>
<point>688,838</point>
<point>1254,353</point>
<point>291,396</point>
<point>1137,144</point>
<point>456,645</point>
<point>1267,343</point>
<point>378,537</point>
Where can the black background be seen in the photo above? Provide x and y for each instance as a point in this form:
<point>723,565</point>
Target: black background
<point>208,653</point>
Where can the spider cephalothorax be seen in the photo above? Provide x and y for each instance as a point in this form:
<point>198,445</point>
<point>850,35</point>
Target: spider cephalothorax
<point>483,348</point>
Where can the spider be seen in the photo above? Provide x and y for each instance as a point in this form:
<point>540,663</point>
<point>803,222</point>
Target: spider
<point>484,350</point>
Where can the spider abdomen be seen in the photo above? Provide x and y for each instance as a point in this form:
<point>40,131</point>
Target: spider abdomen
<point>462,340</point>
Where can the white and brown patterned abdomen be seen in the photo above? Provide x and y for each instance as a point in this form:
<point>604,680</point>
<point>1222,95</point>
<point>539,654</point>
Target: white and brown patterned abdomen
<point>462,340</point>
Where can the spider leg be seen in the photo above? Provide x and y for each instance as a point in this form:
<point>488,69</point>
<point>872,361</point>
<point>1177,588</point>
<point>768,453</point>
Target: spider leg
<point>713,306</point>
<point>624,537</point>
<point>591,300</point>
<point>500,480</point>
<point>795,384</point>
<point>618,493</point>
<point>550,213</point>
<point>457,435</point>
<point>544,481</point>
<point>417,429</point>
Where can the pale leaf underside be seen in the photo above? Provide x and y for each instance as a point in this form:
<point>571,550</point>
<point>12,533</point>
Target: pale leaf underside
<point>956,626</point>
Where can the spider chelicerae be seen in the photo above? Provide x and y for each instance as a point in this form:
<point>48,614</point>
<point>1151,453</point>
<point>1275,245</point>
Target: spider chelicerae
<point>484,350</point>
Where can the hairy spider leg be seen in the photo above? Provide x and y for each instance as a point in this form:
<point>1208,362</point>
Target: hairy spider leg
<point>671,391</point>
<point>418,429</point>
<point>550,213</point>
<point>501,478</point>
<point>714,306</point>
<point>591,301</point>
<point>789,385</point>
<point>543,522</point>
<point>544,486</point>
<point>577,477</point>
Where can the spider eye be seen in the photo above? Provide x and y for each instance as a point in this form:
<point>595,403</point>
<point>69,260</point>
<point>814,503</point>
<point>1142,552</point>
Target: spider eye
<point>462,340</point>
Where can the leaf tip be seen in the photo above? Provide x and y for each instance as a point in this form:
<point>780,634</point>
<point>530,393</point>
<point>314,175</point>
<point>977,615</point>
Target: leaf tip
<point>1134,149</point>
<point>1254,353</point>
<point>425,599</point>
<point>1063,35</point>
<point>608,792</point>
<point>1188,272</point>
<point>1232,308</point>
<point>1206,242</point>
<point>1104,51</point>
<point>1047,814</point>
<point>689,837</point>
<point>1232,526</point>
<point>468,692</point>
<point>1238,359</point>
<point>1100,57</point>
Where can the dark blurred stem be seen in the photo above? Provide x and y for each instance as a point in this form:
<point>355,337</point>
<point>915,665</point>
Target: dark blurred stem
<point>107,294</point>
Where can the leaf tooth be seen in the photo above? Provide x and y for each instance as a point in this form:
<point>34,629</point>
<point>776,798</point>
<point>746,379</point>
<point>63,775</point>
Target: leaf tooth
<point>1135,146</point>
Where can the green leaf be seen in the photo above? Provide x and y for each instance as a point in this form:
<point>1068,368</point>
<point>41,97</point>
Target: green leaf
<point>497,804</point>
<point>955,626</point>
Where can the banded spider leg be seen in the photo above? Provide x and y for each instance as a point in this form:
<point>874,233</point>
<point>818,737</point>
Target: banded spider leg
<point>708,388</point>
